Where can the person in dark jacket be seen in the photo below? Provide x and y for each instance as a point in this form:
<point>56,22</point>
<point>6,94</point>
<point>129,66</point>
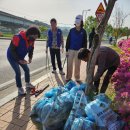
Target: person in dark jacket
<point>107,60</point>
<point>110,40</point>
<point>76,40</point>
<point>91,36</point>
<point>21,45</point>
<point>54,42</point>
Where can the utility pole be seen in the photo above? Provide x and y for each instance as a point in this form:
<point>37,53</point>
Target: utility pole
<point>85,11</point>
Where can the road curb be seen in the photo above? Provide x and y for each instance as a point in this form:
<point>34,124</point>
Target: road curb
<point>11,82</point>
<point>15,94</point>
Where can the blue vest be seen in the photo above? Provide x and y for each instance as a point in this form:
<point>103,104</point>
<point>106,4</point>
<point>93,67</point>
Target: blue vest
<point>76,39</point>
<point>50,37</point>
<point>21,49</point>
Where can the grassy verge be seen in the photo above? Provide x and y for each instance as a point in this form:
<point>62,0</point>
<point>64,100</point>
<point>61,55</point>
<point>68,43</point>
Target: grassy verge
<point>7,35</point>
<point>116,48</point>
<point>110,91</point>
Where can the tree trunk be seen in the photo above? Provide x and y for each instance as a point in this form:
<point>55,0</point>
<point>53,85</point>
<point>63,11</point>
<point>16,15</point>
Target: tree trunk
<point>96,46</point>
<point>105,2</point>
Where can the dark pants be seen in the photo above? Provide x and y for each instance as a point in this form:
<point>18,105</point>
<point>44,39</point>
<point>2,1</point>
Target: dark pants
<point>106,80</point>
<point>55,53</point>
<point>16,67</point>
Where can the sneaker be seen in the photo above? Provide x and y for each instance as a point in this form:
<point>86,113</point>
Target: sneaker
<point>29,85</point>
<point>61,72</point>
<point>54,71</point>
<point>21,92</point>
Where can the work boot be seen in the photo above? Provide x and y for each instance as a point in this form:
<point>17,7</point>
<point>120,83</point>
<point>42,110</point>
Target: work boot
<point>29,85</point>
<point>21,92</point>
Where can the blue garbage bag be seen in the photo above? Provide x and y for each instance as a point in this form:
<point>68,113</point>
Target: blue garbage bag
<point>54,108</point>
<point>103,97</point>
<point>83,86</point>
<point>78,109</point>
<point>83,124</point>
<point>101,113</point>
<point>59,111</point>
<point>55,111</point>
<point>70,85</point>
<point>55,91</point>
<point>38,107</point>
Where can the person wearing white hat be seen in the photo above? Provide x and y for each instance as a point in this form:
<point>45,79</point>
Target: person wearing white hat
<point>77,39</point>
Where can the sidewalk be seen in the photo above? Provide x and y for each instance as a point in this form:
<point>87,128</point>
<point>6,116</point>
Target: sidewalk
<point>14,115</point>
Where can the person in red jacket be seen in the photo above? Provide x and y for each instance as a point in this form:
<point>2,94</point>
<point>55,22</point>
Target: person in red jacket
<point>21,45</point>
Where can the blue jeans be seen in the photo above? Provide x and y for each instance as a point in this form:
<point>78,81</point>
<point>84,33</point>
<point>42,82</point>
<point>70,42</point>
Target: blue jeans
<point>16,67</point>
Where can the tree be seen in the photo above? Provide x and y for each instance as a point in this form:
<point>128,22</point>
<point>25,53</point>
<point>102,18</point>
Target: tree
<point>109,30</point>
<point>119,19</point>
<point>43,30</point>
<point>96,45</point>
<point>90,23</point>
<point>125,31</point>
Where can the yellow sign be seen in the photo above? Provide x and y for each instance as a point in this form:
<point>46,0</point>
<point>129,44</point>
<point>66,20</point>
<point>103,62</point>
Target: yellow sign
<point>100,9</point>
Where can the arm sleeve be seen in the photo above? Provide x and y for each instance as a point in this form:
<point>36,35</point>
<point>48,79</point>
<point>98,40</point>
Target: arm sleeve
<point>101,66</point>
<point>85,40</point>
<point>13,45</point>
<point>13,51</point>
<point>30,54</point>
<point>68,42</point>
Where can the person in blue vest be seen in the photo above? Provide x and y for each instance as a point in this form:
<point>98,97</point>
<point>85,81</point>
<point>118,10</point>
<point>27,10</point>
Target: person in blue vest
<point>54,43</point>
<point>21,45</point>
<point>76,40</point>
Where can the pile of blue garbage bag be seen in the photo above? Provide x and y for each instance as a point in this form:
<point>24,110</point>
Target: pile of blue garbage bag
<point>68,108</point>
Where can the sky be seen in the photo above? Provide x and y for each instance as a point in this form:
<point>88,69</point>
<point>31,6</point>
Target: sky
<point>63,10</point>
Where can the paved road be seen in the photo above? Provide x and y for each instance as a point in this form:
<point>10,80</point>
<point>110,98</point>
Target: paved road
<point>6,72</point>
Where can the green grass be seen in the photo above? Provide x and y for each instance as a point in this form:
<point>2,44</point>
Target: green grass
<point>110,91</point>
<point>116,48</point>
<point>7,35</point>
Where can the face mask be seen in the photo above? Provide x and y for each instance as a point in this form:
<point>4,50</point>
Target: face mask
<point>31,38</point>
<point>77,24</point>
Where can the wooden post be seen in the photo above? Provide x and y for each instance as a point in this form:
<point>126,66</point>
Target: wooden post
<point>96,45</point>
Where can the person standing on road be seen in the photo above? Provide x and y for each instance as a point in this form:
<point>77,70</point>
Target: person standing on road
<point>107,60</point>
<point>76,40</point>
<point>54,42</point>
<point>110,40</point>
<point>91,36</point>
<point>21,45</point>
